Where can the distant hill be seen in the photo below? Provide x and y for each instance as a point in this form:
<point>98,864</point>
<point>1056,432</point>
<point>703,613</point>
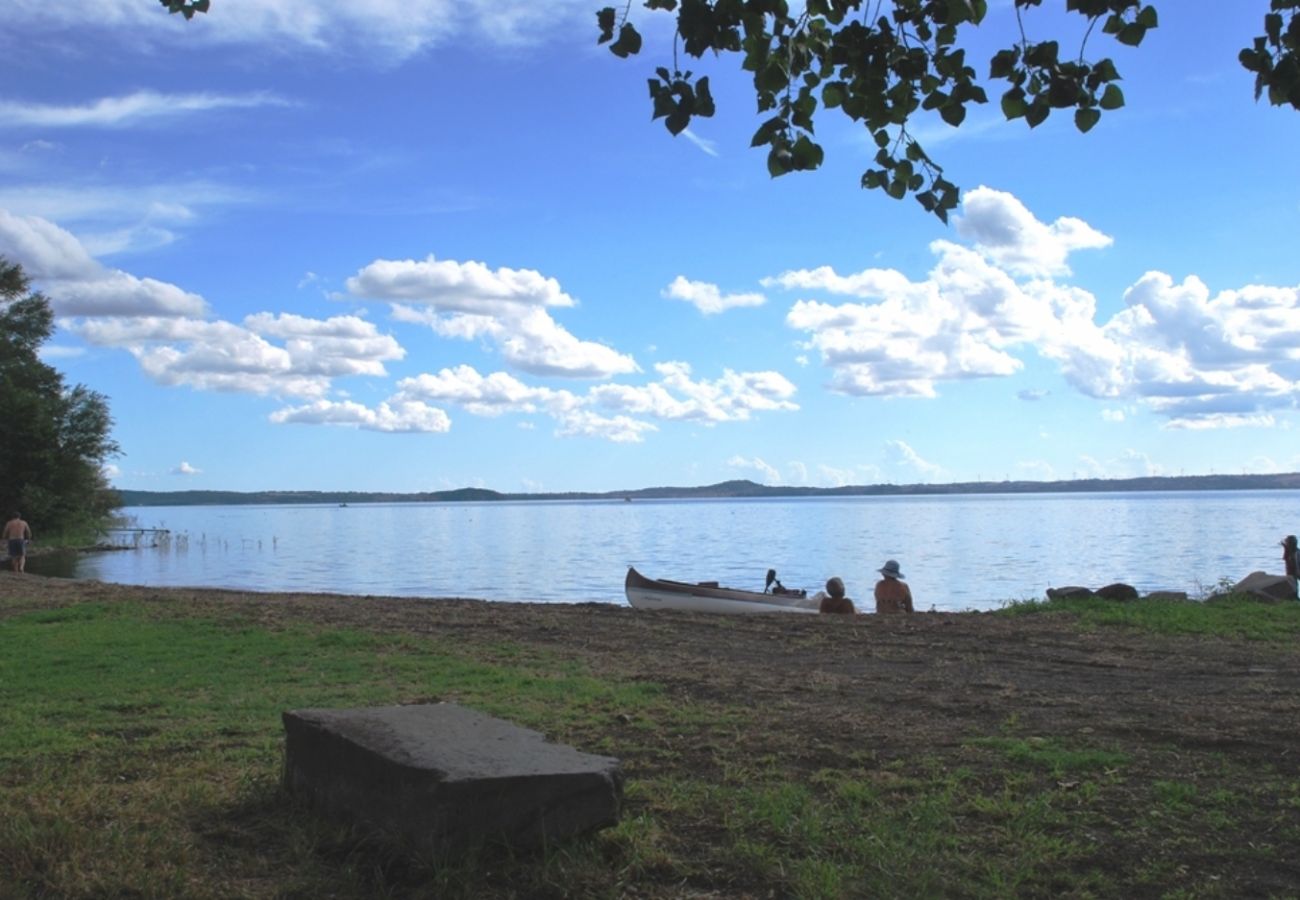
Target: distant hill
<point>722,490</point>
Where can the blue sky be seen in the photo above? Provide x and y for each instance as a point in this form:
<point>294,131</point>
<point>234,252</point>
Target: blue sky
<point>358,245</point>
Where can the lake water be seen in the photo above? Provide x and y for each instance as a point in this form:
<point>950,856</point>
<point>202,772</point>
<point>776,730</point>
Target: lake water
<point>957,551</point>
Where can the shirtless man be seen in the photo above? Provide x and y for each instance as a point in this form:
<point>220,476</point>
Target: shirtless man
<point>17,533</point>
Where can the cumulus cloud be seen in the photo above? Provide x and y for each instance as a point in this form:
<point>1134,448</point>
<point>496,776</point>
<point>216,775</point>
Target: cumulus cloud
<point>901,458</point>
<point>707,298</point>
<point>128,110</point>
<point>1010,235</point>
<point>393,416</point>
<point>1197,359</point>
<point>450,286</point>
<point>223,356</point>
<point>487,395</point>
<point>506,306</point>
<point>733,397</point>
<point>185,469</point>
<point>767,473</point>
<point>611,411</point>
<point>78,285</point>
<point>618,429</point>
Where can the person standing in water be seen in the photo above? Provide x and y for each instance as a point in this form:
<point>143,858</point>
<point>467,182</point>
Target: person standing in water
<point>17,533</point>
<point>891,594</point>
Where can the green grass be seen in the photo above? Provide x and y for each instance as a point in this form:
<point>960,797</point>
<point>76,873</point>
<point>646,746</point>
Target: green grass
<point>140,752</point>
<point>1236,617</point>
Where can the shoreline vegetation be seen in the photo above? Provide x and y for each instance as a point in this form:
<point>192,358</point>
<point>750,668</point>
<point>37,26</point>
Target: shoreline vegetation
<point>724,490</point>
<point>1066,749</point>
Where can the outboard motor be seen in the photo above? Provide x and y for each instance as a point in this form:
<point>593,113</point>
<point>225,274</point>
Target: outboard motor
<point>771,577</point>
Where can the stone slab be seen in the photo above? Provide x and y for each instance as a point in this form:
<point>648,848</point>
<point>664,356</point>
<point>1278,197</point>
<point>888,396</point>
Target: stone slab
<point>444,777</point>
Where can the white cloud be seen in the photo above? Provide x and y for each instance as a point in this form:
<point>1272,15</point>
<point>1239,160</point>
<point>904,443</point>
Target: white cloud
<point>619,429</point>
<point>185,469</point>
<point>733,397</point>
<point>388,31</point>
<point>486,395</point>
<point>611,411</point>
<point>129,110</point>
<point>707,298</point>
<point>767,473</point>
<point>1197,359</point>
<point>408,416</point>
<point>76,284</point>
<point>1005,231</point>
<point>451,287</point>
<point>507,306</point>
<point>901,458</point>
<point>1113,415</point>
<point>340,345</point>
<point>223,356</point>
<point>709,147</point>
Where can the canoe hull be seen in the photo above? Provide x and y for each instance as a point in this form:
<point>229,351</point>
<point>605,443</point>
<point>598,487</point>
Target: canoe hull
<point>649,593</point>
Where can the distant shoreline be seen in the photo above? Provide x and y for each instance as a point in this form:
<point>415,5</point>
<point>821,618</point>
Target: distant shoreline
<point>740,489</point>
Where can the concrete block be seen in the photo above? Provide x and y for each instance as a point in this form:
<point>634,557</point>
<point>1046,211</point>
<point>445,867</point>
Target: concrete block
<point>444,777</point>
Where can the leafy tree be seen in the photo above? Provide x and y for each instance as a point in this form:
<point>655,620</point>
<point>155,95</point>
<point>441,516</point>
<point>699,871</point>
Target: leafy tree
<point>880,61</point>
<point>54,440</point>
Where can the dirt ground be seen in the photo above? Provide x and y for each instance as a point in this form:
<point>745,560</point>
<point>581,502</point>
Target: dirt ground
<point>899,687</point>
<point>925,678</point>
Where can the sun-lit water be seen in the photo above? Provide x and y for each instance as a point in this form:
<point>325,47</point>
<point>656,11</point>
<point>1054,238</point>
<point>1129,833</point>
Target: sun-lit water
<point>957,552</point>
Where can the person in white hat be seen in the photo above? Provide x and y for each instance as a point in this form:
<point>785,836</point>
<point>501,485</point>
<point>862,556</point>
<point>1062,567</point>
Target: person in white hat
<point>891,594</point>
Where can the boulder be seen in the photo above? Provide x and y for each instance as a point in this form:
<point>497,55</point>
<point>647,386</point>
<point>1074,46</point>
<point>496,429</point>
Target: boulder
<point>1069,593</point>
<point>1262,587</point>
<point>446,778</point>
<point>1118,591</point>
<point>1167,596</point>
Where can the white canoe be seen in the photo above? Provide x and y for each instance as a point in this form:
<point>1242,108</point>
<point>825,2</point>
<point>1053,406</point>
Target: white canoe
<point>649,593</point>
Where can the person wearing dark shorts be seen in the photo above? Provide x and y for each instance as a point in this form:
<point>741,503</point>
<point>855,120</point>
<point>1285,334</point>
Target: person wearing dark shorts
<point>17,533</point>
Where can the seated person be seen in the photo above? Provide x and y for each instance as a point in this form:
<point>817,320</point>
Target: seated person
<point>891,594</point>
<point>833,599</point>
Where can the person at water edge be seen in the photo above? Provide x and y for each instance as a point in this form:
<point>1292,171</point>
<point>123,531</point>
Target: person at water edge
<point>17,533</point>
<point>891,594</point>
<point>1291,559</point>
<point>833,599</point>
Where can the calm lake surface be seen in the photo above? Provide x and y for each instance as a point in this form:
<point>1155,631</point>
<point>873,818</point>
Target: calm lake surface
<point>958,552</point>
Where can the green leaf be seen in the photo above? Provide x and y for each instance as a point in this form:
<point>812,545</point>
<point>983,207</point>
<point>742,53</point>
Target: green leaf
<point>1148,17</point>
<point>1036,113</point>
<point>779,162</point>
<point>1013,104</point>
<point>1112,97</point>
<point>1004,63</point>
<point>628,43</point>
<point>1085,118</point>
<point>807,155</point>
<point>954,114</point>
<point>1131,34</point>
<point>833,94</point>
<point>703,99</point>
<point>605,19</point>
<point>1106,71</point>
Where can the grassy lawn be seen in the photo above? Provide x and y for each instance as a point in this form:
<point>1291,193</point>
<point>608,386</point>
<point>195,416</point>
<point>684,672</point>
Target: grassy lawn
<point>140,754</point>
